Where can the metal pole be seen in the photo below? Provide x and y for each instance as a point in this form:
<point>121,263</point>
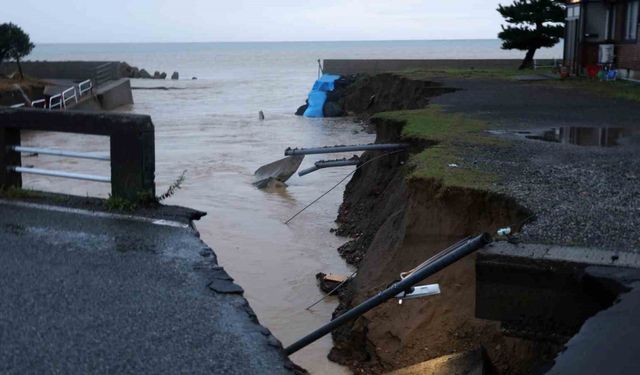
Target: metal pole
<point>329,164</point>
<point>71,154</point>
<point>349,148</point>
<point>440,263</point>
<point>48,172</point>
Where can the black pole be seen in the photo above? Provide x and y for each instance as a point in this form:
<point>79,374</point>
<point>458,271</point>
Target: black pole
<point>337,149</point>
<point>457,253</point>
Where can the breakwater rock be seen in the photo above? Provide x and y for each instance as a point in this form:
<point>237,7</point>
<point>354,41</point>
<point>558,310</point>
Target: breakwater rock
<point>129,71</point>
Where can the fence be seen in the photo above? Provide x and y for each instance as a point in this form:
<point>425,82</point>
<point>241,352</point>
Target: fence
<point>60,100</point>
<point>132,148</point>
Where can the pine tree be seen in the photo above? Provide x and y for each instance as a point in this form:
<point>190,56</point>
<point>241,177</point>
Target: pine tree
<point>14,44</point>
<point>534,24</point>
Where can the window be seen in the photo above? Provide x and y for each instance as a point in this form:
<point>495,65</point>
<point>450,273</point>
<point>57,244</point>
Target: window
<point>631,21</point>
<point>573,12</point>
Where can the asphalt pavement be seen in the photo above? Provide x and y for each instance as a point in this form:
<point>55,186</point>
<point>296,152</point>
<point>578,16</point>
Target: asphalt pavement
<point>92,293</point>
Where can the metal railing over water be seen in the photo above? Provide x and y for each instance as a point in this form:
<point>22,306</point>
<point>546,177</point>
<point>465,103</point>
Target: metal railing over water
<point>60,101</point>
<point>61,153</point>
<point>131,156</point>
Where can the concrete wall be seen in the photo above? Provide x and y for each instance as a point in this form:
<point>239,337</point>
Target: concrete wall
<point>76,70</point>
<point>348,67</point>
<point>132,145</point>
<point>115,94</point>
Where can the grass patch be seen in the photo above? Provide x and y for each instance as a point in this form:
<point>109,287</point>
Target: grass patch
<point>614,89</point>
<point>497,73</point>
<point>18,193</point>
<point>433,124</point>
<point>454,134</point>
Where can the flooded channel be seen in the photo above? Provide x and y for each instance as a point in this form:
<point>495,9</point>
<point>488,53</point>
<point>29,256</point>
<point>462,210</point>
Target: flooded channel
<point>210,128</point>
<point>275,263</point>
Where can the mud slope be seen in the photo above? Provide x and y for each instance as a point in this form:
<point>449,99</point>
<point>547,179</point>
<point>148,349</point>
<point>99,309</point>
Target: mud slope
<point>387,92</point>
<point>398,222</point>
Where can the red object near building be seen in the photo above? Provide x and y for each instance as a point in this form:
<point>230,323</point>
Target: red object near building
<point>591,24</point>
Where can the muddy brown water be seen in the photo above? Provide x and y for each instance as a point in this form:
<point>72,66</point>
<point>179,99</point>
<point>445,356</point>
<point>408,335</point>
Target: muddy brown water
<point>275,263</point>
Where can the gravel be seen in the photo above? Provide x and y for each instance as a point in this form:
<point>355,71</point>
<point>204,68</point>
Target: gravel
<point>582,196</point>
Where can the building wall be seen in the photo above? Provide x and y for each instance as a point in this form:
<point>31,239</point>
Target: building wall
<point>628,56</point>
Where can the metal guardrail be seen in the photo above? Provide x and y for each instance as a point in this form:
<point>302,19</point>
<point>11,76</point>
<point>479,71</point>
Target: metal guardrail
<point>349,148</point>
<point>330,164</point>
<point>84,87</point>
<point>55,101</point>
<point>63,153</point>
<point>131,139</point>
<point>52,173</point>
<point>68,95</point>
<point>40,103</point>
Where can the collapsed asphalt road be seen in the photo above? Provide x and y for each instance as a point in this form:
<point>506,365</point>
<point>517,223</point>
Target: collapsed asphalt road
<point>85,293</point>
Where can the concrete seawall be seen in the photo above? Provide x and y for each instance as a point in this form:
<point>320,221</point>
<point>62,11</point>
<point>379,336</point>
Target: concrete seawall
<point>74,70</point>
<point>348,67</point>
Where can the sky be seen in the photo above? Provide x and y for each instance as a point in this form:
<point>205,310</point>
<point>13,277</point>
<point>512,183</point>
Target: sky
<point>112,21</point>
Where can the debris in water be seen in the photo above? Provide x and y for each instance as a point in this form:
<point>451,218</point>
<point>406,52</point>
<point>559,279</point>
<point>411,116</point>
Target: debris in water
<point>331,283</point>
<point>280,170</point>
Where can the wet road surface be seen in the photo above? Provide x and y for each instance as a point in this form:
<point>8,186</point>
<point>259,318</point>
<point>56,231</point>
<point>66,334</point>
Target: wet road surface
<point>86,294</point>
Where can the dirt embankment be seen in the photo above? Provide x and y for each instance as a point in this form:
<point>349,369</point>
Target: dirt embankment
<point>363,95</point>
<point>10,90</point>
<point>397,221</point>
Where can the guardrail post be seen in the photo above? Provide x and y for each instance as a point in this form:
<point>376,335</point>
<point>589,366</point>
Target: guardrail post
<point>133,165</point>
<point>8,178</point>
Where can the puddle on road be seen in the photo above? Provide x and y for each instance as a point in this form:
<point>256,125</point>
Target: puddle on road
<point>579,136</point>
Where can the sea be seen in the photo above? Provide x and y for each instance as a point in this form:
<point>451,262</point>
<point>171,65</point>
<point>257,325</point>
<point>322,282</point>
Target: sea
<point>208,129</point>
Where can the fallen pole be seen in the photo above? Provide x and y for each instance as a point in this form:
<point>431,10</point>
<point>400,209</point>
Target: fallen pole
<point>330,164</point>
<point>440,262</point>
<point>349,148</point>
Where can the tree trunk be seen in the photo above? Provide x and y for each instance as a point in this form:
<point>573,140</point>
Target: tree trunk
<point>19,68</point>
<point>527,63</point>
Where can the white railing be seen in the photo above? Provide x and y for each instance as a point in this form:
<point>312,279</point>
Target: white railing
<point>40,103</point>
<point>55,101</point>
<point>60,100</point>
<point>84,86</point>
<point>72,95</point>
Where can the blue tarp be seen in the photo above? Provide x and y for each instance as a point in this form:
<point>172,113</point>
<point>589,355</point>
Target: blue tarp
<point>318,95</point>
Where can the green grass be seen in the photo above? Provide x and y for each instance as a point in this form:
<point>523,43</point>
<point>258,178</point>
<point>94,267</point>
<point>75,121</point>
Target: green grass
<point>18,193</point>
<point>615,89</point>
<point>497,73</point>
<point>455,135</point>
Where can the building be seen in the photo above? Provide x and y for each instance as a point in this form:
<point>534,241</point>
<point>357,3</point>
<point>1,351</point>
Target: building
<point>595,28</point>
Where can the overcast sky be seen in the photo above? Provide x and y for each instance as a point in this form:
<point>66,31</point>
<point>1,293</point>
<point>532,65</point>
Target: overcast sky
<point>80,21</point>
